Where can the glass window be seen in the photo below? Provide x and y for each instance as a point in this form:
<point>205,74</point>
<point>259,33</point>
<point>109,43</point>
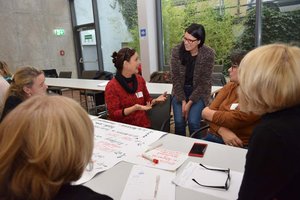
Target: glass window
<point>222,21</point>
<point>118,28</point>
<point>84,11</point>
<point>229,24</point>
<point>280,23</point>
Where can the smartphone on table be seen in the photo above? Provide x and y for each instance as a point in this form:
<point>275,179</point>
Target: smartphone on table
<point>198,149</point>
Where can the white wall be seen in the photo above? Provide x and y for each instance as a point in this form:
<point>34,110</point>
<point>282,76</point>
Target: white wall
<point>26,36</point>
<point>148,44</point>
<point>113,31</point>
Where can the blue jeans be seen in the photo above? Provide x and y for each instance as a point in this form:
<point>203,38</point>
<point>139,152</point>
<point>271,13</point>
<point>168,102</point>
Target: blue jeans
<point>194,116</point>
<point>213,138</point>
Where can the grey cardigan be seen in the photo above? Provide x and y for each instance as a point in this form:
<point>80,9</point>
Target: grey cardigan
<point>202,74</point>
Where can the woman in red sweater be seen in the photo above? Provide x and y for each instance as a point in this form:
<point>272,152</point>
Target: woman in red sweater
<point>126,95</point>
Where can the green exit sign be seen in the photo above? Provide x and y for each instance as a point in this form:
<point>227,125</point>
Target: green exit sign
<point>59,31</point>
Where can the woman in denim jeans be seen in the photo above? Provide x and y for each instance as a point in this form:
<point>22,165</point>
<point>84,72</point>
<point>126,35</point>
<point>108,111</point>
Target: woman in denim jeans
<point>191,70</point>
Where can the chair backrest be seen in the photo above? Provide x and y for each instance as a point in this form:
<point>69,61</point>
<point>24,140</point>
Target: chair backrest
<point>50,73</point>
<point>160,77</point>
<point>89,74</point>
<point>160,114</point>
<point>218,79</point>
<point>65,74</point>
<point>104,75</point>
<point>218,68</point>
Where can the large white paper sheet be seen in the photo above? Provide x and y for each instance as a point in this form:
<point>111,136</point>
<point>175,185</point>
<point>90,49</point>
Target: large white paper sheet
<point>146,183</point>
<point>113,142</point>
<point>208,177</point>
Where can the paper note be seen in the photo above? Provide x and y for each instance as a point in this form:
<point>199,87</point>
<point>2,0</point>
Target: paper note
<point>102,84</point>
<point>167,159</point>
<point>146,183</point>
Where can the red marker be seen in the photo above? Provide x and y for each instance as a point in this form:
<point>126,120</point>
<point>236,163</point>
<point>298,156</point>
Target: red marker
<point>155,161</point>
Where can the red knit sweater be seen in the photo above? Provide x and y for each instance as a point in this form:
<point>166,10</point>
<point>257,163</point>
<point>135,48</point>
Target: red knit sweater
<point>117,98</point>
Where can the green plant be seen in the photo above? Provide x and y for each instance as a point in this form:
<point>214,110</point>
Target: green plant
<point>276,27</point>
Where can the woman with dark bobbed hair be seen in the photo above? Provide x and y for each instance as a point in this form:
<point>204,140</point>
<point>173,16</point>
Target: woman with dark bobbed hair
<point>126,95</point>
<point>191,69</point>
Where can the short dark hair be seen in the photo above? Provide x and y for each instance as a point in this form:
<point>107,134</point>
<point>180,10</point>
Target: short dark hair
<point>237,56</point>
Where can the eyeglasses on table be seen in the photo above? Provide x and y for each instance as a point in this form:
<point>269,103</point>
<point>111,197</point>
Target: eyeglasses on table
<point>227,183</point>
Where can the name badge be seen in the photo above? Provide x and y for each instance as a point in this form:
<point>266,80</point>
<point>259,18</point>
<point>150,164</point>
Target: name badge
<point>139,94</point>
<point>234,106</point>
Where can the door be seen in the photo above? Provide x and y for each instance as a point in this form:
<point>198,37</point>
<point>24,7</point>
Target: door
<point>88,59</point>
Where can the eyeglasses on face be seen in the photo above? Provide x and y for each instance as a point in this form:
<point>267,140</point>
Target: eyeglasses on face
<point>189,41</point>
<point>234,65</point>
<point>227,183</point>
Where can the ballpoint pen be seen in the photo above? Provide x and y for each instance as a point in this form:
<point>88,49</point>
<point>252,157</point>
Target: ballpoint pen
<point>156,186</point>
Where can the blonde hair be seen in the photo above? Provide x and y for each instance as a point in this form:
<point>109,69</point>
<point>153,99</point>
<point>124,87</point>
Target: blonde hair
<point>45,142</point>
<point>269,79</point>
<point>4,69</point>
<point>24,76</point>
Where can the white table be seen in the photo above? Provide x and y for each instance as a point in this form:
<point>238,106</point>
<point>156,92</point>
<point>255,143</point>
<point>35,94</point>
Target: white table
<point>88,84</point>
<point>99,85</point>
<point>113,181</point>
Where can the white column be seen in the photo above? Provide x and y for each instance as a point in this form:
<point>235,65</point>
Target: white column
<point>148,37</point>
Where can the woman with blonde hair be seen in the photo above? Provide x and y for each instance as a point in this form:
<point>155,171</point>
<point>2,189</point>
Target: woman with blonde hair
<point>47,147</point>
<point>27,81</point>
<point>270,86</point>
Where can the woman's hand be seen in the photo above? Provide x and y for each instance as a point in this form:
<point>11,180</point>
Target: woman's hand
<point>159,99</point>
<point>208,113</point>
<point>131,109</point>
<point>146,107</point>
<point>183,108</point>
<point>187,109</point>
<point>230,137</point>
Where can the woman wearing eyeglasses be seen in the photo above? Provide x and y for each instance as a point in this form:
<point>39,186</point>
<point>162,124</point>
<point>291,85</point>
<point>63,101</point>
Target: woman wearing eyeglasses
<point>191,69</point>
<point>126,95</point>
<point>227,124</point>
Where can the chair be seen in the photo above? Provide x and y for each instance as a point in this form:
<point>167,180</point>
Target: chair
<point>94,100</point>
<point>218,68</point>
<point>160,114</point>
<point>65,74</point>
<point>50,73</point>
<point>160,77</point>
<point>200,131</point>
<point>218,79</point>
<point>60,90</point>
